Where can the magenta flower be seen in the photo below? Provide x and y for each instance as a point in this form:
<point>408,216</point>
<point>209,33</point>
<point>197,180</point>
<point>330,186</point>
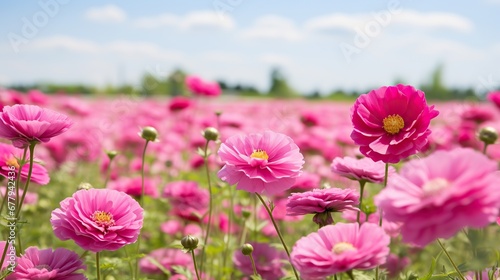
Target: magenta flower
<point>265,162</point>
<point>23,124</point>
<point>9,156</point>
<point>167,258</point>
<point>391,123</point>
<point>322,202</point>
<point>494,97</point>
<point>188,200</point>
<point>339,248</point>
<point>268,261</point>
<point>437,196</point>
<point>47,264</point>
<point>364,169</point>
<point>200,87</point>
<point>98,219</point>
<point>133,186</point>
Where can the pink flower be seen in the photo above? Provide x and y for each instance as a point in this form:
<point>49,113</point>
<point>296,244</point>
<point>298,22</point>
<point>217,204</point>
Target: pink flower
<point>322,202</point>
<point>437,196</point>
<point>188,200</point>
<point>47,264</point>
<point>200,87</point>
<point>179,103</point>
<point>167,258</point>
<point>339,248</point>
<point>391,123</point>
<point>364,169</point>
<point>9,156</point>
<point>133,186</point>
<point>396,264</point>
<point>23,124</point>
<point>494,97</point>
<point>265,162</point>
<point>98,219</point>
<point>268,261</point>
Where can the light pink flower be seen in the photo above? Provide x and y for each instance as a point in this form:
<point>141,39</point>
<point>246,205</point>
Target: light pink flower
<point>364,169</point>
<point>47,264</point>
<point>396,264</point>
<point>23,124</point>
<point>268,261</point>
<point>98,219</point>
<point>265,162</point>
<point>9,156</point>
<point>435,197</point>
<point>188,200</point>
<point>167,258</point>
<point>391,123</point>
<point>339,248</point>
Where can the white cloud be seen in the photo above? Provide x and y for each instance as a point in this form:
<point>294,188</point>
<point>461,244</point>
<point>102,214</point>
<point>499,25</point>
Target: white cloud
<point>108,13</point>
<point>429,20</point>
<point>276,60</point>
<point>273,27</point>
<point>192,20</point>
<point>434,20</point>
<point>222,57</point>
<point>126,48</point>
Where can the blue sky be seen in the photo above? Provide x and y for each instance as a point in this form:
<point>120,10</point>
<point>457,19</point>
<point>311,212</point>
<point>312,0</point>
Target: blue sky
<point>319,45</point>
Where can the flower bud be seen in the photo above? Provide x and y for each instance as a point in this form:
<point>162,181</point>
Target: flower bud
<point>189,242</point>
<point>84,186</point>
<point>111,154</point>
<point>488,135</point>
<point>245,213</point>
<point>247,249</point>
<point>211,134</point>
<point>149,133</point>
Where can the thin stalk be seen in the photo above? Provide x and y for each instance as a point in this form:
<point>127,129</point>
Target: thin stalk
<point>484,148</point>
<point>361,191</point>
<point>386,176</point>
<point>194,263</point>
<point>279,233</point>
<point>229,226</point>
<point>253,265</point>
<point>141,202</point>
<point>98,266</point>
<point>349,273</point>
<point>450,259</point>
<point>210,202</point>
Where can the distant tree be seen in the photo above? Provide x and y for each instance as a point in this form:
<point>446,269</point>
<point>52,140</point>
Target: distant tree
<point>435,88</point>
<point>279,85</point>
<point>175,83</point>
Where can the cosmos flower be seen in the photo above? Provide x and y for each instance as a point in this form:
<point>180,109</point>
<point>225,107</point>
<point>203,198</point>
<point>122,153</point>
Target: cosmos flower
<point>23,124</point>
<point>339,248</point>
<point>98,219</point>
<point>437,196</point>
<point>364,169</point>
<point>265,162</point>
<point>391,123</point>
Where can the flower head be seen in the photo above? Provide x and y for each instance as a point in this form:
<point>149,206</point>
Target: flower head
<point>364,169</point>
<point>265,162</point>
<point>268,261</point>
<point>24,124</point>
<point>322,200</point>
<point>98,219</point>
<point>339,248</point>
<point>9,156</point>
<point>48,264</point>
<point>188,200</point>
<point>437,196</point>
<point>391,123</point>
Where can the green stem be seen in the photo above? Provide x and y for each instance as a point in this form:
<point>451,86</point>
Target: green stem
<point>279,233</point>
<point>484,148</point>
<point>194,263</point>
<point>386,176</point>
<point>229,226</point>
<point>108,173</point>
<point>210,201</point>
<point>349,273</point>
<point>450,259</point>
<point>141,202</point>
<point>361,191</point>
<point>253,265</point>
<point>97,266</point>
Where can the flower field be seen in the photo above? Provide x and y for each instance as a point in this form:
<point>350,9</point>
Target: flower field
<point>391,186</point>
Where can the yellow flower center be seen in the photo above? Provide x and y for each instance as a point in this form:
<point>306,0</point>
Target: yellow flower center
<point>393,123</point>
<point>261,154</point>
<point>341,247</point>
<point>435,186</point>
<point>103,219</point>
<point>12,162</point>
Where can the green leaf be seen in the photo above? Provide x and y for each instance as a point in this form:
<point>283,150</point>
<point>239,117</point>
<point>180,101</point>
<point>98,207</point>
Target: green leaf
<point>428,276</point>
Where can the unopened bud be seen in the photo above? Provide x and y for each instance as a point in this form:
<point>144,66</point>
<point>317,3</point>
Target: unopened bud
<point>189,242</point>
<point>84,186</point>
<point>247,249</point>
<point>488,135</point>
<point>149,133</point>
<point>245,213</point>
<point>211,134</point>
<point>111,154</point>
